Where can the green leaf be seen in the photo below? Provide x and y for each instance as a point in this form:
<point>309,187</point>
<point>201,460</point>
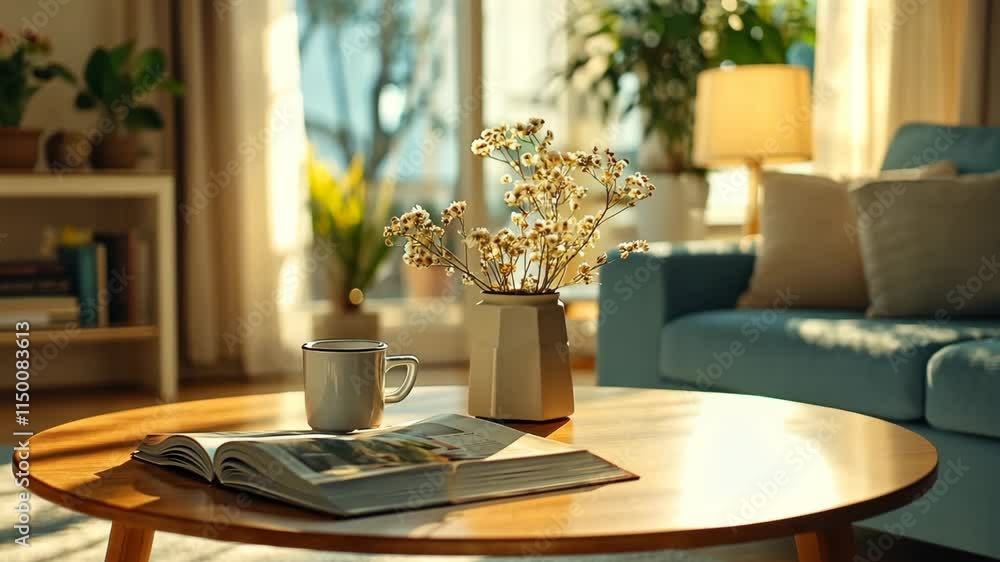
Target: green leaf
<point>116,90</point>
<point>19,56</point>
<point>143,117</point>
<point>12,111</point>
<point>98,67</point>
<point>333,236</point>
<point>42,73</point>
<point>172,87</point>
<point>10,116</point>
<point>84,101</point>
<point>121,54</point>
<point>352,265</point>
<point>378,255</point>
<point>54,70</point>
<point>149,68</point>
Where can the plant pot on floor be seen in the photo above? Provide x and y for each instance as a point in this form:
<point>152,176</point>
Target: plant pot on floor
<point>519,364</point>
<point>116,152</point>
<point>68,150</point>
<point>677,212</point>
<point>346,325</point>
<point>19,148</point>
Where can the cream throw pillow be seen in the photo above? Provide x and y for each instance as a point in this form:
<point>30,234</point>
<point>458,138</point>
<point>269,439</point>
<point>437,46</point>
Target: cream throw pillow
<point>808,255</point>
<point>931,247</point>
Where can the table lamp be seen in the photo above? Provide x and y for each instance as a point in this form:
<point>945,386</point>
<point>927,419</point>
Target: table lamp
<point>751,114</point>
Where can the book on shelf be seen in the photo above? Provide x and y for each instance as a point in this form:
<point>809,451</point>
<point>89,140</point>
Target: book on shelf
<point>30,278</point>
<point>41,312</point>
<point>445,459</point>
<point>116,265</point>
<point>143,283</point>
<point>86,265</point>
<point>121,273</point>
<point>36,291</point>
<point>31,268</point>
<point>27,286</point>
<point>102,286</point>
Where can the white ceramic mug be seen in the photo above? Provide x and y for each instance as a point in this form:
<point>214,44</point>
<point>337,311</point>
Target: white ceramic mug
<point>345,383</point>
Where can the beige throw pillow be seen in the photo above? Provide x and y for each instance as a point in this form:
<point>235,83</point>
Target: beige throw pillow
<point>808,256</point>
<point>804,256</point>
<point>931,247</point>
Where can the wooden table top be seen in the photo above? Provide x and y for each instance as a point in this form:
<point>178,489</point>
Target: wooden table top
<point>714,469</point>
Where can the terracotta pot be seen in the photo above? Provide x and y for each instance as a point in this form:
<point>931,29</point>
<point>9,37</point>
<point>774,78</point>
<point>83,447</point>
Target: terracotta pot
<point>116,151</point>
<point>428,282</point>
<point>346,325</point>
<point>19,148</point>
<point>68,150</point>
<point>519,364</point>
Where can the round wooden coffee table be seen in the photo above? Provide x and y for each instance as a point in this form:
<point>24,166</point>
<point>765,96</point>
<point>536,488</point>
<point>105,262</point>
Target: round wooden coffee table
<point>714,469</point>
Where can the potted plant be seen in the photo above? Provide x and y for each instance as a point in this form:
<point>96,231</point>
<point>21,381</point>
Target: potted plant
<point>519,362</point>
<point>23,70</point>
<point>645,55</point>
<point>114,82</point>
<point>347,222</point>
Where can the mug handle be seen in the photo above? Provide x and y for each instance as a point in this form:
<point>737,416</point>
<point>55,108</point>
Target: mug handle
<point>411,363</point>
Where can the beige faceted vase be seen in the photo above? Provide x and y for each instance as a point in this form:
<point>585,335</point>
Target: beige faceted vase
<point>519,361</point>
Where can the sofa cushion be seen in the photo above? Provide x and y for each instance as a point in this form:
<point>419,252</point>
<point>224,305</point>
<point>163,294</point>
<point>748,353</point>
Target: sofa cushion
<point>804,245</point>
<point>930,247</point>
<point>963,388</point>
<point>809,243</point>
<point>831,358</point>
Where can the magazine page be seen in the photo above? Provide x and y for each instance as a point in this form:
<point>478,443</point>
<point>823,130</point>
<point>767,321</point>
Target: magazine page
<point>211,441</point>
<point>484,440</point>
<point>438,440</point>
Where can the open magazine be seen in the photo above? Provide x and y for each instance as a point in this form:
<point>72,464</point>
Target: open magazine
<point>444,459</point>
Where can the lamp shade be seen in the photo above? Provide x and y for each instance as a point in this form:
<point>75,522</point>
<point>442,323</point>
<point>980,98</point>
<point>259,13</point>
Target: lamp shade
<point>753,112</point>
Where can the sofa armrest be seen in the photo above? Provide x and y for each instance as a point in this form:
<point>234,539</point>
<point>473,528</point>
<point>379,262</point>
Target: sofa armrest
<point>640,295</point>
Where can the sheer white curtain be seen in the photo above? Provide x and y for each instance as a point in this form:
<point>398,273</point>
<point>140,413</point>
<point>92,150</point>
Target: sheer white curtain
<point>471,91</point>
<point>882,63</point>
<point>243,211</point>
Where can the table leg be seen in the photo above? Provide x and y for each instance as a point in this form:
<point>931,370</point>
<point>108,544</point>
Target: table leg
<point>834,544</point>
<point>128,544</point>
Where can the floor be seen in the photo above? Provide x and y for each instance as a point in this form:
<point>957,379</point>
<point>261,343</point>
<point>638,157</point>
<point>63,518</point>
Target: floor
<point>53,408</point>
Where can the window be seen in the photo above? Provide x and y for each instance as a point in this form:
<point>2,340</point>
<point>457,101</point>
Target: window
<point>379,81</point>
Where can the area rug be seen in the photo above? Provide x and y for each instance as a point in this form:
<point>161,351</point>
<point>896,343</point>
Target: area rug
<point>61,535</point>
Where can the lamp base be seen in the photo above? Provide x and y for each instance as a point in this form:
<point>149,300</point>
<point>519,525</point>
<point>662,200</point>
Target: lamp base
<point>755,174</point>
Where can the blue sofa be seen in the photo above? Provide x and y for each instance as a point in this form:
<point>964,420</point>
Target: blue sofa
<point>668,320</point>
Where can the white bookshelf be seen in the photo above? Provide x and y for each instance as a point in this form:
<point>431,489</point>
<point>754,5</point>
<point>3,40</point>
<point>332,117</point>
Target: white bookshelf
<point>143,356</point>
